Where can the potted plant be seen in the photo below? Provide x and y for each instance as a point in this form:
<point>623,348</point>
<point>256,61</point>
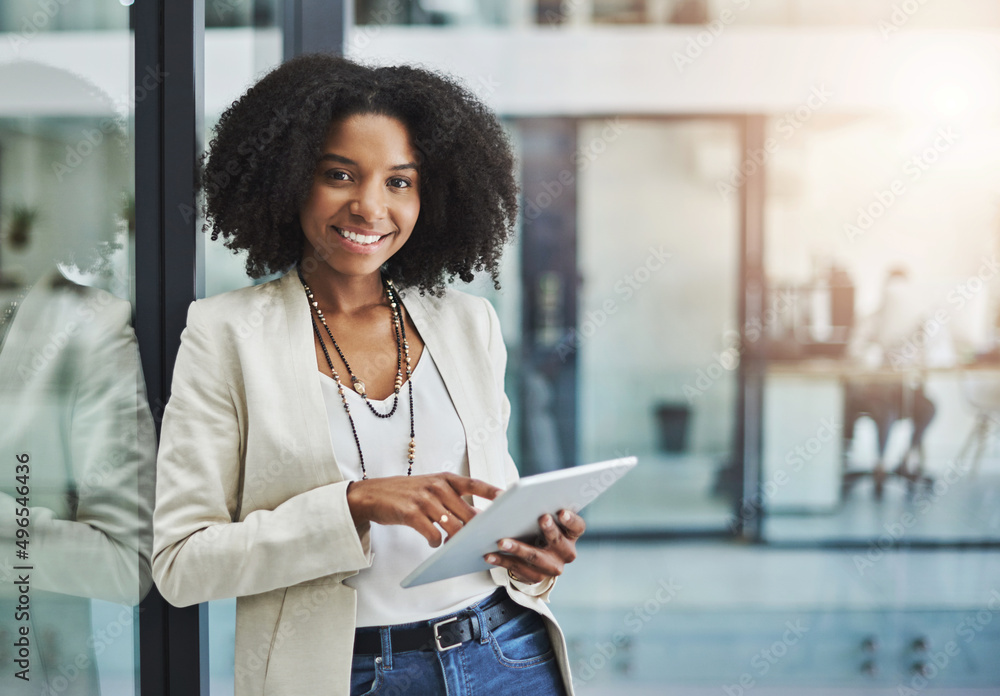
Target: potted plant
<point>128,212</point>
<point>22,219</point>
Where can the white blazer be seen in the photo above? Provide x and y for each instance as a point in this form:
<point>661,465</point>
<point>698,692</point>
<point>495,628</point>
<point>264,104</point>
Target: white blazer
<point>250,501</point>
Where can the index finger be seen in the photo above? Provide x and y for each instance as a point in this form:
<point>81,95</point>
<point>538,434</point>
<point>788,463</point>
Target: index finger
<point>464,485</point>
<point>572,523</point>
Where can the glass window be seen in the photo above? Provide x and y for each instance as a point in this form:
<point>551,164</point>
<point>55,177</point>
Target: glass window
<point>658,261</point>
<point>439,12</point>
<point>77,444</point>
<point>881,392</point>
<point>242,13</point>
<point>885,16</point>
<point>235,58</point>
<point>25,19</point>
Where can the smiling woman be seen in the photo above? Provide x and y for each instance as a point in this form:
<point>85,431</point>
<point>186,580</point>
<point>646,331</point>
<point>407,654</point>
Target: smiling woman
<point>270,146</point>
<point>364,200</point>
<point>306,467</point>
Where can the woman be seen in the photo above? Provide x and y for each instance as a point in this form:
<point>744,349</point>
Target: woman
<point>307,499</point>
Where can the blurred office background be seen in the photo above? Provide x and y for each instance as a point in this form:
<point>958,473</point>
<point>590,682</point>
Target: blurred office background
<point>758,249</point>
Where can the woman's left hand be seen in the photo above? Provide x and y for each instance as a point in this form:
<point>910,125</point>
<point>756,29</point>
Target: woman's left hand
<point>529,563</point>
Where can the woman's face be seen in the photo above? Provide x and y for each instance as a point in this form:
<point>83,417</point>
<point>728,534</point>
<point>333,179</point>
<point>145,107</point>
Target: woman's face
<point>365,196</point>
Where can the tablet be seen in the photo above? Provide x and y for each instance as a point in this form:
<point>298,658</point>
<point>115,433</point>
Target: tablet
<point>514,515</point>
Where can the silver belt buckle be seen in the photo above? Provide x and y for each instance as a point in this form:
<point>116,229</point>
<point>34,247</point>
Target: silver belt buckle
<point>437,636</point>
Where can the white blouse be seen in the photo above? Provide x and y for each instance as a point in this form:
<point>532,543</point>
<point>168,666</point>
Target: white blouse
<point>398,549</point>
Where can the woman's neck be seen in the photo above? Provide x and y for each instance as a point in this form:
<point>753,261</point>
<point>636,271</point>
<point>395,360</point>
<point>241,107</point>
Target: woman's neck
<point>343,294</point>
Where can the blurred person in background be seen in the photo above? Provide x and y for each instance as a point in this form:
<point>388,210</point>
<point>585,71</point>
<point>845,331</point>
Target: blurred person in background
<point>890,344</point>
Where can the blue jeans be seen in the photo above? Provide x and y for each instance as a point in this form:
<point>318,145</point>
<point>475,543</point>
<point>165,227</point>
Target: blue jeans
<point>514,659</point>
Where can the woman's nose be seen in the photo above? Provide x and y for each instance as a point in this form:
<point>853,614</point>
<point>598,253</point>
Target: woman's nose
<point>370,202</point>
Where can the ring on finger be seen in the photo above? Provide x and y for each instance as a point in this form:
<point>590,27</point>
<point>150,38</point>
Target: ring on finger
<point>444,519</point>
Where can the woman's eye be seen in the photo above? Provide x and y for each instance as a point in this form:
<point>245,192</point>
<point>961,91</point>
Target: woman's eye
<point>399,182</point>
<point>338,175</point>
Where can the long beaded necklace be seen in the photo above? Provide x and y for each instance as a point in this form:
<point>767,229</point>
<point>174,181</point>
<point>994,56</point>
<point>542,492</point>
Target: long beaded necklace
<point>402,353</point>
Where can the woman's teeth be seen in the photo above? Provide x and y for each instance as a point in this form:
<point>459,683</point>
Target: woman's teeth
<point>359,238</point>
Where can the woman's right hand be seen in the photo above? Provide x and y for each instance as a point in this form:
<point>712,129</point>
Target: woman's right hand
<point>418,502</point>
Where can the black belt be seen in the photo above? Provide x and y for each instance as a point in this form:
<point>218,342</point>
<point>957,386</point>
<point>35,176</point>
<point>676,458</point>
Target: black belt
<point>441,635</point>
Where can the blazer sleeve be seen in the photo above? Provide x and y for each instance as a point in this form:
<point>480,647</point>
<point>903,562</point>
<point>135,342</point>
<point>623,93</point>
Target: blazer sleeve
<point>201,549</point>
<point>498,359</point>
<point>99,545</point>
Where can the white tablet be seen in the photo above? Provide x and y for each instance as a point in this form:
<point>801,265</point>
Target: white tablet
<point>514,515</point>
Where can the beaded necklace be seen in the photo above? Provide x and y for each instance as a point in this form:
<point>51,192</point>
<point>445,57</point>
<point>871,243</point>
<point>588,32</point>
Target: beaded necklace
<point>402,353</point>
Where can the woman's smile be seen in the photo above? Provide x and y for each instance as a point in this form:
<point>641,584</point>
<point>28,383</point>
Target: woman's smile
<point>359,241</point>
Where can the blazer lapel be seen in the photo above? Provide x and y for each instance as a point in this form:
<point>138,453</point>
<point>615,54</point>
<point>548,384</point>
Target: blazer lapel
<point>308,391</point>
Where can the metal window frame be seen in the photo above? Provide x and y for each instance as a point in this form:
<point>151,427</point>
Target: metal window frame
<point>315,26</point>
<point>549,275</point>
<point>750,373</point>
<point>169,41</point>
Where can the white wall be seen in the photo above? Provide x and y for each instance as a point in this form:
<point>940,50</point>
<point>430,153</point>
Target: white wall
<point>636,70</point>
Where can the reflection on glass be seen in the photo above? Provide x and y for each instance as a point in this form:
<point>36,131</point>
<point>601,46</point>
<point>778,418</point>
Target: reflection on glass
<point>437,12</point>
<point>25,19</point>
<point>233,61</point>
<point>881,256</point>
<point>241,13</point>
<point>77,444</point>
